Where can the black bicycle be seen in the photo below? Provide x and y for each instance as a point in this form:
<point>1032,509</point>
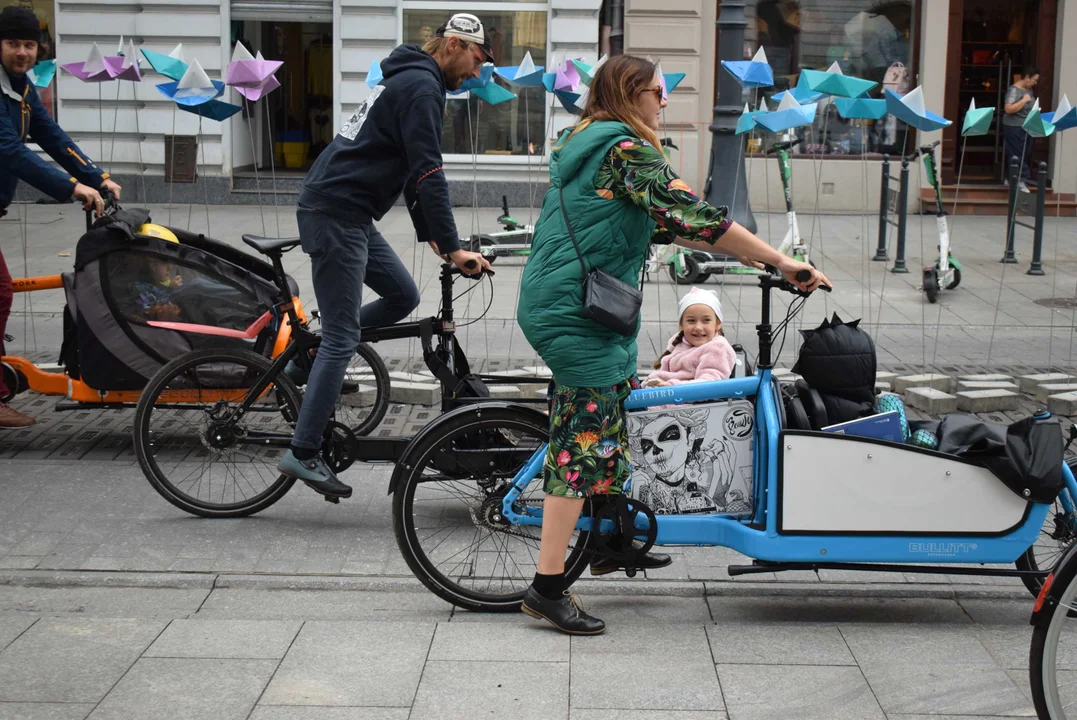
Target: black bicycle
<point>211,425</point>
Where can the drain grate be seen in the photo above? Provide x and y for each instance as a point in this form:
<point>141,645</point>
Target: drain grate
<point>1062,303</point>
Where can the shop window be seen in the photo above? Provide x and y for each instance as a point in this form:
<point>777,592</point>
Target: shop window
<point>471,126</point>
<point>868,38</point>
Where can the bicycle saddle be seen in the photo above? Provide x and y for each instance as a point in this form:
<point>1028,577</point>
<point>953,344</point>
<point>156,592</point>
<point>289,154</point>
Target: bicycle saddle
<point>267,245</point>
<point>813,404</point>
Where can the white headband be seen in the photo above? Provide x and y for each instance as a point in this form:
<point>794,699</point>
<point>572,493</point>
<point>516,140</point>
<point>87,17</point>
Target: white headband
<point>695,296</point>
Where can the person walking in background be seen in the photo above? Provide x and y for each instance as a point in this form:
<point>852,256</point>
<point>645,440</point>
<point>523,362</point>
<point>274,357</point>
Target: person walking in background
<point>1019,101</point>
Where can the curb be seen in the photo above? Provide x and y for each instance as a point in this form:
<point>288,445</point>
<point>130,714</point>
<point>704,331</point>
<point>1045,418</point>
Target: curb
<point>632,588</point>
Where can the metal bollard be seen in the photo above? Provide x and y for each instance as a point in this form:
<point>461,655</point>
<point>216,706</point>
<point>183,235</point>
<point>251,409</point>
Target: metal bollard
<point>903,216</point>
<point>880,250</point>
<point>1015,176</point>
<point>1036,268</point>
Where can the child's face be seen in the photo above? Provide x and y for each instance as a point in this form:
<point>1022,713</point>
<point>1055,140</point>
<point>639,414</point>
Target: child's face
<point>699,325</point>
<point>161,270</point>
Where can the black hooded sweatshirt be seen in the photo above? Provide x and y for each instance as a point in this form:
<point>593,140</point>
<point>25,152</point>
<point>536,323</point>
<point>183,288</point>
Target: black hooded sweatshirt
<point>391,144</point>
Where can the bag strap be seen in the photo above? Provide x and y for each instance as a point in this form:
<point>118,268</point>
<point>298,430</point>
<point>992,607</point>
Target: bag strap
<point>568,225</point>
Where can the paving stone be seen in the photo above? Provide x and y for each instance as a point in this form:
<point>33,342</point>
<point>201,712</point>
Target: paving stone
<point>72,659</point>
<point>466,690</point>
<point>497,642</point>
<point>12,627</point>
<point>237,604</point>
<point>1046,390</point>
<point>354,663</point>
<point>885,376</point>
<point>363,397</point>
<point>882,386</point>
<point>931,400</point>
<point>979,401</point>
<point>985,377</point>
<point>987,385</point>
<point>931,380</point>
<point>415,393</point>
<point>103,601</point>
<point>225,639</point>
<point>591,714</point>
<point>785,691</point>
<point>772,644</point>
<point>418,377</point>
<point>291,712</point>
<point>505,392</point>
<point>45,711</point>
<point>187,689</point>
<point>1030,383</point>
<point>1063,404</point>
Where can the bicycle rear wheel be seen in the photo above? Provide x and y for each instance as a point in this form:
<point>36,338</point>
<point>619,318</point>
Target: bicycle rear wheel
<point>449,489</point>
<point>1057,534</point>
<point>1052,671</point>
<point>193,449</point>
<point>364,408</point>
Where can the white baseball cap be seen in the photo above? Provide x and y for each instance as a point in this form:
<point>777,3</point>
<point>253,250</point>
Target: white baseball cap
<point>697,296</point>
<point>467,27</point>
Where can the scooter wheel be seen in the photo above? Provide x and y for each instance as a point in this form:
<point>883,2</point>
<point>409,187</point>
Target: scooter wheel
<point>931,286</point>
<point>13,381</point>
<point>957,278</point>
<point>691,272</point>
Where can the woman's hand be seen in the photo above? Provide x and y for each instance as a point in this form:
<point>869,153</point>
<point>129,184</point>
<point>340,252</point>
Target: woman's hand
<point>789,268</point>
<point>654,382</point>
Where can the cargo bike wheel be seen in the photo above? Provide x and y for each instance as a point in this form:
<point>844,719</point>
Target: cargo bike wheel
<point>1056,536</point>
<point>195,447</point>
<point>449,488</point>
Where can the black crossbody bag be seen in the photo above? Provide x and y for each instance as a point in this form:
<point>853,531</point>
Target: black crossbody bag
<point>606,300</point>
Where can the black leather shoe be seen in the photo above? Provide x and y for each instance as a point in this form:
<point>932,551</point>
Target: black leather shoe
<point>650,561</point>
<point>565,614</point>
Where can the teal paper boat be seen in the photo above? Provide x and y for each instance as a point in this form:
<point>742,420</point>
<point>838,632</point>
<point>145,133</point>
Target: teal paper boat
<point>833,82</point>
<point>977,120</point>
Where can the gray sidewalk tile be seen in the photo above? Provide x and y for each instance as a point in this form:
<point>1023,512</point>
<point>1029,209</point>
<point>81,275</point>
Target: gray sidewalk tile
<point>204,638</point>
<point>679,670</point>
<point>102,602</point>
<point>794,609</point>
<point>352,663</point>
<point>764,692</point>
<point>588,714</point>
<point>319,605</point>
<point>72,659</point>
<point>519,690</point>
<point>913,644</point>
<point>13,627</point>
<point>1009,646</point>
<point>629,610</point>
<point>187,689</point>
<point>987,612</point>
<point>45,711</point>
<point>497,642</point>
<point>771,644</point>
<point>292,712</point>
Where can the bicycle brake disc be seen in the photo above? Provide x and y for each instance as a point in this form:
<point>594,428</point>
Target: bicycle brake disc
<point>339,446</point>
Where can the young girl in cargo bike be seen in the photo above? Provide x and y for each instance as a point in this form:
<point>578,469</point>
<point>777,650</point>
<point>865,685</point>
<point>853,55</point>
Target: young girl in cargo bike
<point>620,193</point>
<point>699,351</point>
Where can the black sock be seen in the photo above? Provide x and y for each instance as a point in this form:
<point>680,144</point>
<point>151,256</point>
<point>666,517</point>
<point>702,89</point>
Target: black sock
<point>302,453</point>
<point>551,587</point>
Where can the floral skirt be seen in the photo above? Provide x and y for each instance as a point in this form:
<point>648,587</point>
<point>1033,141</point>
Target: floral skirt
<point>588,451</point>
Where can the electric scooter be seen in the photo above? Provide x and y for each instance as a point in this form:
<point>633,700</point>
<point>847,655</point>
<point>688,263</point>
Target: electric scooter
<point>946,272</point>
<point>513,241</point>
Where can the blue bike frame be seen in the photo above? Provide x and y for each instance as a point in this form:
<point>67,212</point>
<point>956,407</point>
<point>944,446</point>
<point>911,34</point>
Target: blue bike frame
<point>757,535</point>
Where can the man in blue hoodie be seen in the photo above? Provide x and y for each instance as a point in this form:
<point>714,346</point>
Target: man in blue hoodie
<point>22,117</point>
<point>390,145</point>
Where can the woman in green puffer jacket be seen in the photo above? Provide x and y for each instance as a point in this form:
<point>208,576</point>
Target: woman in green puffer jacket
<point>621,195</point>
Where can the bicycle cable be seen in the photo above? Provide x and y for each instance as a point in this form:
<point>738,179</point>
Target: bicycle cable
<point>489,303</point>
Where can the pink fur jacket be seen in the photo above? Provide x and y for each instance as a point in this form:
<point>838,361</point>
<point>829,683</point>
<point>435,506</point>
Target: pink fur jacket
<point>712,361</point>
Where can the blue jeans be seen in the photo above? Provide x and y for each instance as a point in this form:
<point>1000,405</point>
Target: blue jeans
<point>1017,145</point>
<point>345,256</point>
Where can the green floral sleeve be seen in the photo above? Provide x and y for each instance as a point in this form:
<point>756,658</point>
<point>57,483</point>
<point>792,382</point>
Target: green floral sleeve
<point>636,170</point>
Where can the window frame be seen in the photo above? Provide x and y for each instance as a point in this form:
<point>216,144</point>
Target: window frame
<point>479,7</point>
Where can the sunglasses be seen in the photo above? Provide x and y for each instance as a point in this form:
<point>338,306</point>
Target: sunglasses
<point>656,90</point>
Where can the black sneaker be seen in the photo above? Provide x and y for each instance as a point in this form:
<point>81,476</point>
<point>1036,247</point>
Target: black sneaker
<point>315,473</point>
<point>565,614</point>
<point>650,561</point>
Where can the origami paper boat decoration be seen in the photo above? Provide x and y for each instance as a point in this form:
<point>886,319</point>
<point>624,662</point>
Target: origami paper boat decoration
<point>252,77</point>
<point>801,92</point>
<point>751,73</point>
<point>526,74</point>
<point>977,120</point>
<point>790,114</point>
<point>671,81</point>
<point>568,100</point>
<point>212,110</point>
<point>860,108</point>
<point>910,110</point>
<point>471,83</point>
<point>1064,117</point>
<point>566,77</point>
<point>93,69</point>
<point>194,88</point>
<point>833,82</point>
<point>1035,125</point>
<point>374,75</point>
<point>170,65</point>
<point>41,75</point>
<point>587,72</point>
<point>484,87</point>
<point>746,122</point>
<point>125,65</point>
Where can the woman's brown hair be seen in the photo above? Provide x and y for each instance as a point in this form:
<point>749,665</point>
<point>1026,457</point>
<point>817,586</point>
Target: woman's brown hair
<point>613,94</point>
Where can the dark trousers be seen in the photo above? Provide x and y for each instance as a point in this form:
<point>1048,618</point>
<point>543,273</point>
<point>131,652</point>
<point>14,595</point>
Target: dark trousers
<point>345,256</point>
<point>1017,143</point>
<point>7,296</point>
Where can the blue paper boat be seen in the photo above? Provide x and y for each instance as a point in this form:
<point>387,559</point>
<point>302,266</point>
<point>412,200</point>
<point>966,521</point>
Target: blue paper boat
<point>1066,115</point>
<point>860,108</point>
<point>493,93</point>
<point>171,66</point>
<point>673,80</point>
<point>910,110</point>
<point>833,82</point>
<point>485,75</point>
<point>212,110</point>
<point>526,74</point>
<point>801,93</point>
<point>746,122</point>
<point>752,73</point>
<point>41,75</point>
<point>568,100</point>
<point>374,75</point>
<point>789,114</point>
<point>169,91</point>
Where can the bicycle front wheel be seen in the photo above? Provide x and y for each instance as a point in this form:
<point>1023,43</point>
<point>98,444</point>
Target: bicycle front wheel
<point>447,508</point>
<point>195,448</point>
<point>1052,671</point>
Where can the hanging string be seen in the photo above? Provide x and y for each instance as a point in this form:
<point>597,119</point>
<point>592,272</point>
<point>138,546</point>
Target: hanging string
<point>1073,321</point>
<point>273,165</point>
<point>138,133</point>
<point>27,301</point>
<point>205,184</point>
<point>742,157</point>
<point>1054,268</point>
<point>1002,275</point>
<point>865,267</point>
<point>817,171</point>
<point>249,111</point>
<point>923,259</point>
<point>100,124</point>
<point>115,122</point>
<point>946,260</point>
<point>889,234</point>
<point>172,164</point>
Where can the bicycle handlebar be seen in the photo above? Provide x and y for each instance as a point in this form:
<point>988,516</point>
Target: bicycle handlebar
<point>922,150</point>
<point>776,280</point>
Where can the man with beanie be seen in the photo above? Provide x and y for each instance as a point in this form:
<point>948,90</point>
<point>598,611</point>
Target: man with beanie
<point>390,145</point>
<point>22,118</point>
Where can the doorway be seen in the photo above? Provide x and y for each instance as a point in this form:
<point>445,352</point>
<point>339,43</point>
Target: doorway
<point>990,42</point>
<point>293,124</point>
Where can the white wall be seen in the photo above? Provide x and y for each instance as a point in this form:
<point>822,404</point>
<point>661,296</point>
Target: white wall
<point>1064,145</point>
